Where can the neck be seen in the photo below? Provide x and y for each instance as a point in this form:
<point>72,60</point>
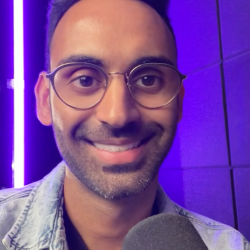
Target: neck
<point>104,223</point>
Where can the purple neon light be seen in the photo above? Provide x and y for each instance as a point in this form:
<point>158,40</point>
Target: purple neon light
<point>18,161</point>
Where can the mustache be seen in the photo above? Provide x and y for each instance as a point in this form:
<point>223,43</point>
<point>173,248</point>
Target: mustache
<point>105,131</point>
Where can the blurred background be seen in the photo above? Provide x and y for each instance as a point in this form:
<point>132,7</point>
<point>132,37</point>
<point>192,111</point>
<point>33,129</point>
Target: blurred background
<point>208,168</point>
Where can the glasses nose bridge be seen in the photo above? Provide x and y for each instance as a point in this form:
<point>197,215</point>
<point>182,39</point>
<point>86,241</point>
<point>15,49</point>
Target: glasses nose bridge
<point>126,75</point>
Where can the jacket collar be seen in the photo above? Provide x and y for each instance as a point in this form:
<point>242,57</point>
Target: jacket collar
<point>43,209</point>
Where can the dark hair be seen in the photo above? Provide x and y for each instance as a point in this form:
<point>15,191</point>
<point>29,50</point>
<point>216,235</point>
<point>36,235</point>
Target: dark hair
<point>57,8</point>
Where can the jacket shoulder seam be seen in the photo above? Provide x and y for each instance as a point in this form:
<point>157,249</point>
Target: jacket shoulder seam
<point>16,196</point>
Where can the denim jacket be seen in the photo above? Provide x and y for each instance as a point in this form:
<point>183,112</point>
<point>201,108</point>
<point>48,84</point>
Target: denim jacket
<point>31,218</point>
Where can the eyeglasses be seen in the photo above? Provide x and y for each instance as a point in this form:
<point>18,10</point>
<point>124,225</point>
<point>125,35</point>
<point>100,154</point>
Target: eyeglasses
<point>83,85</point>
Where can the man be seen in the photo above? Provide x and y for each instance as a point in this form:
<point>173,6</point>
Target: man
<point>113,96</point>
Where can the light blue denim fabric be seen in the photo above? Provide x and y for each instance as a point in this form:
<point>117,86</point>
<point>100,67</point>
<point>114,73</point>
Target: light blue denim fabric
<point>31,218</point>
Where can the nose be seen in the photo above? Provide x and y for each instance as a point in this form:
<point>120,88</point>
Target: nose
<point>117,107</point>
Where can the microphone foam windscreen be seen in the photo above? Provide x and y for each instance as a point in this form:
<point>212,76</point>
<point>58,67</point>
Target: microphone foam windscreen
<point>163,232</point>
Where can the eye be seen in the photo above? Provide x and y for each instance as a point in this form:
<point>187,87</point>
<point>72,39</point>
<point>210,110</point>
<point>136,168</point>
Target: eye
<point>147,81</point>
<point>86,81</point>
<point>86,84</point>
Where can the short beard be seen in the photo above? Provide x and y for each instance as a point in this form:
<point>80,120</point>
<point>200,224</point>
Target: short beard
<point>114,182</point>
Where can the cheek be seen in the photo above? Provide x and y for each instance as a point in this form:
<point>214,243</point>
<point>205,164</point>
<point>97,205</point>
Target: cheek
<point>166,116</point>
<point>65,117</point>
<point>57,111</point>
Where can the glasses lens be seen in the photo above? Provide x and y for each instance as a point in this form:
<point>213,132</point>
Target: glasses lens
<point>80,86</point>
<point>154,85</point>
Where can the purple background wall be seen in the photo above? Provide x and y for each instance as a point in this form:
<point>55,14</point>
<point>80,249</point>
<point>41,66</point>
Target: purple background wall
<point>6,95</point>
<point>208,168</point>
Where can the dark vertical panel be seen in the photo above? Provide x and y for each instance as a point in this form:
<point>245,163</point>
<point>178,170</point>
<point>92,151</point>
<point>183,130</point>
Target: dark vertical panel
<point>237,75</point>
<point>235,41</point>
<point>6,95</point>
<point>242,190</point>
<point>235,26</point>
<point>238,92</point>
<point>196,29</point>
<point>226,116</point>
<point>41,154</point>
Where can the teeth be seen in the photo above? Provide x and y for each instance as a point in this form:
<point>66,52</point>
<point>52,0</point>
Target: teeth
<point>114,148</point>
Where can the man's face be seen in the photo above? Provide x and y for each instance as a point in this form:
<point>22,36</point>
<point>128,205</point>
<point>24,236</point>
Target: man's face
<point>96,143</point>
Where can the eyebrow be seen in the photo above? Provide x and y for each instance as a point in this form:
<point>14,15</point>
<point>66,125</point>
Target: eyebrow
<point>151,59</point>
<point>82,59</point>
<point>100,63</point>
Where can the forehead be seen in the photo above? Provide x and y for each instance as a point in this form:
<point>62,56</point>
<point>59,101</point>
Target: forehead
<point>117,31</point>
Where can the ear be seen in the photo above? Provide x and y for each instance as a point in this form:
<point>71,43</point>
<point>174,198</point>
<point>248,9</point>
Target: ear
<point>42,100</point>
<point>180,103</point>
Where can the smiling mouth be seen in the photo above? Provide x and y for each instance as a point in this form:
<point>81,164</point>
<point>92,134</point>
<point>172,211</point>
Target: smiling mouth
<point>115,148</point>
<point>118,148</point>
